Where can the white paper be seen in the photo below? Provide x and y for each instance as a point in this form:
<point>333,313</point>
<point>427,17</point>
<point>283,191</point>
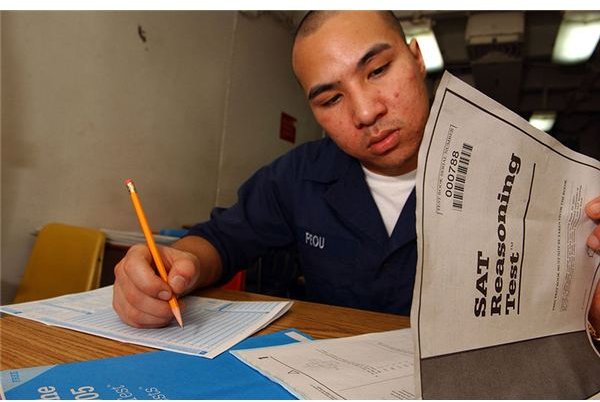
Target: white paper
<point>372,366</point>
<point>501,236</point>
<point>127,238</point>
<point>211,326</point>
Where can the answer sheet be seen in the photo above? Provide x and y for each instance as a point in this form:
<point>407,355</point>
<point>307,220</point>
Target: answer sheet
<point>211,326</point>
<point>371,366</point>
<point>504,277</point>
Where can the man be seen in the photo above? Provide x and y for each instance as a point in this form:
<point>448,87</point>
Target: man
<point>347,202</point>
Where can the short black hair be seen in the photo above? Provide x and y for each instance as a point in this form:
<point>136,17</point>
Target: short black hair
<point>313,20</point>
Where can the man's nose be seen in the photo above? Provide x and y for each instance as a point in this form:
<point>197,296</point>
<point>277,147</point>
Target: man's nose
<point>368,107</point>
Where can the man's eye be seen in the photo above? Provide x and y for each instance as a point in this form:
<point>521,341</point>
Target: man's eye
<point>378,71</point>
<point>332,101</point>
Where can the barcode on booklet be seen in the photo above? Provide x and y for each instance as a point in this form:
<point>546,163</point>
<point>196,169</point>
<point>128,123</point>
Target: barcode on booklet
<point>461,176</point>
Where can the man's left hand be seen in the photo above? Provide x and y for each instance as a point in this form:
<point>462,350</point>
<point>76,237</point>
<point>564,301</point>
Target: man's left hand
<point>592,209</point>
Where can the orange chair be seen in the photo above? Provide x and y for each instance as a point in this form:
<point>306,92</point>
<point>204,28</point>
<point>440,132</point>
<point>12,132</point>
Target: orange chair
<point>237,282</point>
<point>65,259</point>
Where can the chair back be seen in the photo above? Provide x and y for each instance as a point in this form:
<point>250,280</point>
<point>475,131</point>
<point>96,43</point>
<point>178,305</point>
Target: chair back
<point>237,282</point>
<point>65,259</point>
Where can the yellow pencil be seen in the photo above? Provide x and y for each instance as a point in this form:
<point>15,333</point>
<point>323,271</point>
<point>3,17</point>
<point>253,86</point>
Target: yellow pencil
<point>152,246</point>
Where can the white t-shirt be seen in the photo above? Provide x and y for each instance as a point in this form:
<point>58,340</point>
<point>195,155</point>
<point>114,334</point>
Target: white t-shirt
<point>390,194</point>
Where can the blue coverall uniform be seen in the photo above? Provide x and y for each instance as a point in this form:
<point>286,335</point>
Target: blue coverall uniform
<point>316,197</point>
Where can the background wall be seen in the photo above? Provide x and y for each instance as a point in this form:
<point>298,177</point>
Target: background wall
<point>185,103</point>
<point>250,134</point>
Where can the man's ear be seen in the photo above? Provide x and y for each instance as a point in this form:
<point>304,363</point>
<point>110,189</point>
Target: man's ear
<point>415,50</point>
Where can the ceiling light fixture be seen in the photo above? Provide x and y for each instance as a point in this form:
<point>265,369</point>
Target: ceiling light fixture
<point>577,37</point>
<point>422,32</point>
<point>543,120</point>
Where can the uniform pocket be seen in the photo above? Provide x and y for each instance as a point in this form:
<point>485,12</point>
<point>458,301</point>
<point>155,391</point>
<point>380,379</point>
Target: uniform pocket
<point>329,264</point>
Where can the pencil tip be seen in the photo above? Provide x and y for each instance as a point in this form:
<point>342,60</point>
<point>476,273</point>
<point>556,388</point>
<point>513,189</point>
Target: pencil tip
<point>177,315</point>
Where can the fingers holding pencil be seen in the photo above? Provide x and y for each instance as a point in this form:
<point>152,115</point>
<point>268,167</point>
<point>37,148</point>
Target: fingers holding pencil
<point>158,261</point>
<point>140,297</point>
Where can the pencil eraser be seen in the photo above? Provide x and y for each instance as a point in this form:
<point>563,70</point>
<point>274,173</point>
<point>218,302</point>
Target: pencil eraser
<point>128,181</point>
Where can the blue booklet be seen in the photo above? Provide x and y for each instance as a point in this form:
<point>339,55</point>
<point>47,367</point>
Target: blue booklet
<point>152,375</point>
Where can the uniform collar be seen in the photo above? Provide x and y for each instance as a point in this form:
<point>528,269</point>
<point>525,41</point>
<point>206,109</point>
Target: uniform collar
<point>349,195</point>
<point>406,228</point>
<point>327,163</point>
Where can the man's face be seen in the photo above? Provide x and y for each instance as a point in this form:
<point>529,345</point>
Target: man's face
<point>366,89</point>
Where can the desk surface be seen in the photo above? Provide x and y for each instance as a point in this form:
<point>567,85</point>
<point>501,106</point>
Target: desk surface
<point>26,343</point>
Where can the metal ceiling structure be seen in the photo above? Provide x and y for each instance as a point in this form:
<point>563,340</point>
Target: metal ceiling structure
<point>516,69</point>
<point>508,56</point>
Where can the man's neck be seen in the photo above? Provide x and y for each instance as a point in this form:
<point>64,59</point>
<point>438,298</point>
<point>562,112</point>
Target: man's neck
<point>407,167</point>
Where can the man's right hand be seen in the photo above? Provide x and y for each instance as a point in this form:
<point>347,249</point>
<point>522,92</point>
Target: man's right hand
<point>140,296</point>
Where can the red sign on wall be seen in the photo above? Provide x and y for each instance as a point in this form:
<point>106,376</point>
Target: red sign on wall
<point>287,128</point>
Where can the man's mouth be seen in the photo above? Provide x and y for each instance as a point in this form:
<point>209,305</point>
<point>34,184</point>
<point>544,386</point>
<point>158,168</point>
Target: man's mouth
<point>384,141</point>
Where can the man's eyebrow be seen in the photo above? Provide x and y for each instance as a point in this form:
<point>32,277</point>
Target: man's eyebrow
<point>320,88</point>
<point>372,52</point>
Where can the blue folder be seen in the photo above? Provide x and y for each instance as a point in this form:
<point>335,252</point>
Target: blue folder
<point>150,375</point>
